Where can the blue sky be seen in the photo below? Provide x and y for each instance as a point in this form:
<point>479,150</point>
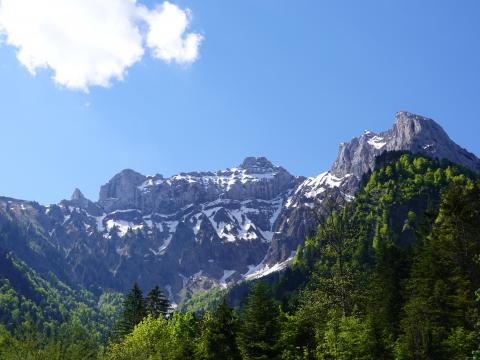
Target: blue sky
<point>287,80</point>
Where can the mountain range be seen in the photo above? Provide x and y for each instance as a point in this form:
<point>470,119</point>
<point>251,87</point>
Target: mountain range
<point>199,230</point>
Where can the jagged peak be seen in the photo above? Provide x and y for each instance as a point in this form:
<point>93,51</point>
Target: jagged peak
<point>405,117</point>
<point>128,172</point>
<point>77,195</point>
<point>412,132</point>
<point>413,125</point>
<point>257,163</point>
<point>128,176</point>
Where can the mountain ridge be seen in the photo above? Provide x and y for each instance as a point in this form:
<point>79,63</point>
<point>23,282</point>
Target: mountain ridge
<point>199,230</point>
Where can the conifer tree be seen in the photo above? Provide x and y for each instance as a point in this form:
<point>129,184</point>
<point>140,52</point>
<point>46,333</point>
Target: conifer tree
<point>220,335</point>
<point>133,312</point>
<point>259,330</point>
<point>156,304</point>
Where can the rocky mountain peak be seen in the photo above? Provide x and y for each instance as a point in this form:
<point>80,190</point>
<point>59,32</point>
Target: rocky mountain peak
<point>78,200</point>
<point>424,136</point>
<point>121,190</point>
<point>257,165</point>
<point>410,132</point>
<point>408,117</point>
<point>77,195</point>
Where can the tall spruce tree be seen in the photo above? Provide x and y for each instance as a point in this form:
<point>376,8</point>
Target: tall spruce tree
<point>134,311</point>
<point>259,330</point>
<point>220,334</point>
<point>156,304</point>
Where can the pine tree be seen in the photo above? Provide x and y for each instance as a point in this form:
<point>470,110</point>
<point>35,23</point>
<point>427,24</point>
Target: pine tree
<point>220,335</point>
<point>133,312</point>
<point>156,304</point>
<point>259,330</point>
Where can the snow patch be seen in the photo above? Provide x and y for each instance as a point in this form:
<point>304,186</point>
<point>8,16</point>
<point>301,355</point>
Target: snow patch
<point>261,270</point>
<point>122,226</point>
<point>377,142</point>
<point>317,185</point>
<point>99,221</point>
<point>172,228</point>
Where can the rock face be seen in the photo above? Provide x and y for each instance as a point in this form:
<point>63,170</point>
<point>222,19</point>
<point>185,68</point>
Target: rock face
<point>207,228</point>
<point>202,229</point>
<point>121,192</point>
<point>410,132</point>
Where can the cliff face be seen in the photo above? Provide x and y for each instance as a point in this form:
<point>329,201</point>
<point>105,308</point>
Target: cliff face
<point>199,229</point>
<point>410,132</point>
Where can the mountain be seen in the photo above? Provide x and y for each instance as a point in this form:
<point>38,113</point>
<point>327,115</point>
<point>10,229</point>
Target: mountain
<point>356,158</point>
<point>201,230</point>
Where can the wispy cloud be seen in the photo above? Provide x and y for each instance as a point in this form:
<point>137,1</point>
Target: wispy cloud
<point>90,42</point>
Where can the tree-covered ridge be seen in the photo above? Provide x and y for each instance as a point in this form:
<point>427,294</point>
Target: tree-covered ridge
<point>46,305</point>
<point>394,273</point>
<point>397,204</point>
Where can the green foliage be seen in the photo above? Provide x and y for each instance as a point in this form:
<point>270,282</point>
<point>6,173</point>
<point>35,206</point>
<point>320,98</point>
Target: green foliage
<point>394,271</point>
<point>150,337</point>
<point>346,337</point>
<point>134,311</point>
<point>26,295</point>
<point>69,341</point>
<point>156,304</point>
<point>157,338</point>
<point>444,277</point>
<point>219,335</point>
<point>259,329</point>
<point>203,301</point>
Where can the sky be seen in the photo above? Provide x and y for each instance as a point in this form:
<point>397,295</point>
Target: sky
<point>199,85</point>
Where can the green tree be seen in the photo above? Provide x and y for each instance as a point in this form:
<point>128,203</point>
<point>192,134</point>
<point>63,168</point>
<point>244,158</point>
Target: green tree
<point>219,335</point>
<point>338,277</point>
<point>184,337</point>
<point>347,337</point>
<point>149,338</point>
<point>156,304</point>
<point>259,330</point>
<point>133,312</point>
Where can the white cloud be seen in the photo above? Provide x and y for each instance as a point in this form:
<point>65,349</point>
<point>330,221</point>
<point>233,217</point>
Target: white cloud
<point>90,42</point>
<point>167,34</point>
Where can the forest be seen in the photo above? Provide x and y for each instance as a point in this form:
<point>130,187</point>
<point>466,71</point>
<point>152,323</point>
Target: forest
<point>393,274</point>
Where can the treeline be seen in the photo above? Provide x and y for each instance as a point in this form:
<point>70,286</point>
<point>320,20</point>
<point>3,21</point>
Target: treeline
<point>393,275</point>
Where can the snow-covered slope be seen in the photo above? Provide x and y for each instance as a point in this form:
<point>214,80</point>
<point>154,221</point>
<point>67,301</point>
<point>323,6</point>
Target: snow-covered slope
<point>202,227</point>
